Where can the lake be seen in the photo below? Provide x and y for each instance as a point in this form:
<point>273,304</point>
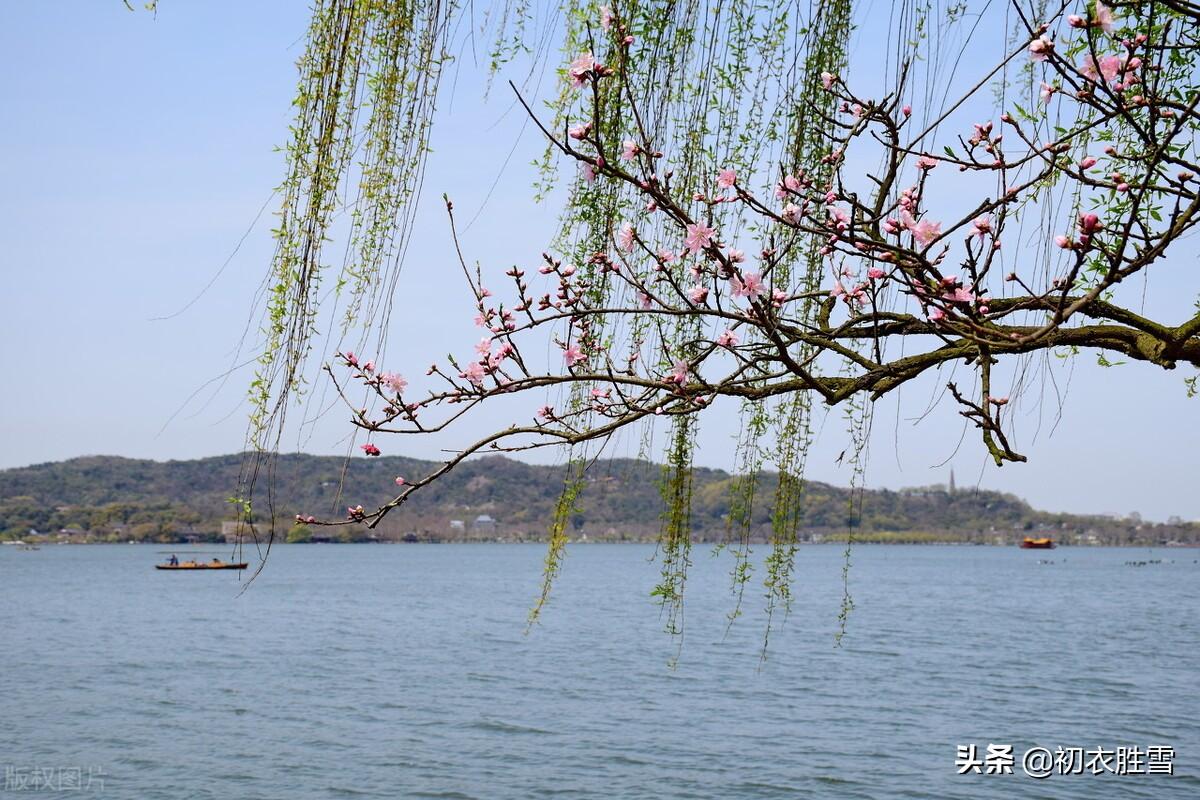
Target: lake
<point>405,671</point>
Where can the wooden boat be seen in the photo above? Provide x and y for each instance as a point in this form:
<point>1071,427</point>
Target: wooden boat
<point>202,565</point>
<point>1037,544</point>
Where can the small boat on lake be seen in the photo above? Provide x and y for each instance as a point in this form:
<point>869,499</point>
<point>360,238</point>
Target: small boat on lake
<point>1037,544</point>
<point>214,564</point>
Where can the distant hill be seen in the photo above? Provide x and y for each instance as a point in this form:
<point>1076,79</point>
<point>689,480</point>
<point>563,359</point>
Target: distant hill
<point>111,498</point>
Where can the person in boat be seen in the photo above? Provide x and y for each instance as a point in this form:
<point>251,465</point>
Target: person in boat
<point>174,562</point>
<point>216,561</point>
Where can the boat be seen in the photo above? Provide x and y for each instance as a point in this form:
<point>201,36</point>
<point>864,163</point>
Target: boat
<point>22,545</point>
<point>189,565</point>
<point>1037,544</point>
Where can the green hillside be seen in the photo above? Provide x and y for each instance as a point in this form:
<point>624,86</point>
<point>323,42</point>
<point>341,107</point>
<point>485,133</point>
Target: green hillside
<point>111,498</point>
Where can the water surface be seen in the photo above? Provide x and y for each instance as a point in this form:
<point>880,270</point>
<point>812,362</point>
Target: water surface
<point>405,671</point>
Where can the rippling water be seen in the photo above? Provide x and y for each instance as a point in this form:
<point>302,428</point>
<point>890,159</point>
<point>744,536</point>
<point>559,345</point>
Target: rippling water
<point>404,671</point>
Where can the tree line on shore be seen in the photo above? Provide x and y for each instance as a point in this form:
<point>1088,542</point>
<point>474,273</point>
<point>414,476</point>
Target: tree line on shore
<point>104,498</point>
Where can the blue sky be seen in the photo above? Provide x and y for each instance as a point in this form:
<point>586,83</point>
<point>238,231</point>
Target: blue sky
<point>137,152</point>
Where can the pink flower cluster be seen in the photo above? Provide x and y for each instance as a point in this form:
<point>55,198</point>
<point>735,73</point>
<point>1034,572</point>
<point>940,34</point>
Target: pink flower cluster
<point>1089,225</point>
<point>579,69</point>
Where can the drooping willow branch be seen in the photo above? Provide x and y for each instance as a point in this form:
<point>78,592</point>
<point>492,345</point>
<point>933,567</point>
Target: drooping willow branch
<point>784,272</point>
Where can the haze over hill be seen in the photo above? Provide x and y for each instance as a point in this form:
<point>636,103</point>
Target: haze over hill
<point>117,499</point>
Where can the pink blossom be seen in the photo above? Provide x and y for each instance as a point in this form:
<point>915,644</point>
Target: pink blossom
<point>679,373</point>
<point>1104,17</point>
<point>573,355</point>
<point>925,231</point>
<point>625,237</point>
<point>1063,242</point>
<point>982,225</point>
<point>1108,68</point>
<point>580,67</point>
<point>998,401</point>
<point>606,17</point>
<point>750,286</point>
<point>790,183</point>
<point>1040,49</point>
<point>698,294</point>
<point>726,178</point>
<point>906,111</point>
<point>351,359</point>
<point>728,339</point>
<point>497,358</point>
<point>736,256</point>
<point>699,236</point>
<point>666,256</point>
<point>936,314</point>
<point>400,480</point>
<point>629,150</point>
<point>644,300</point>
<point>588,172</point>
<point>546,412</point>
<point>580,131</point>
<point>369,449</point>
<point>369,366</point>
<point>827,80</point>
<point>473,373</point>
<point>875,273</point>
<point>778,296</point>
<point>961,294</point>
<point>926,163</point>
<point>791,213</point>
<point>484,347</point>
<point>394,381</point>
<point>1076,21</point>
<point>1088,162</point>
<point>1046,92</point>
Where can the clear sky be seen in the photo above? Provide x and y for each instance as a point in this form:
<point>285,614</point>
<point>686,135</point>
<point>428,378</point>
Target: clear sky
<point>137,152</point>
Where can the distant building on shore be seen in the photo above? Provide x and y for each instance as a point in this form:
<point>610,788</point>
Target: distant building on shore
<point>483,525</point>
